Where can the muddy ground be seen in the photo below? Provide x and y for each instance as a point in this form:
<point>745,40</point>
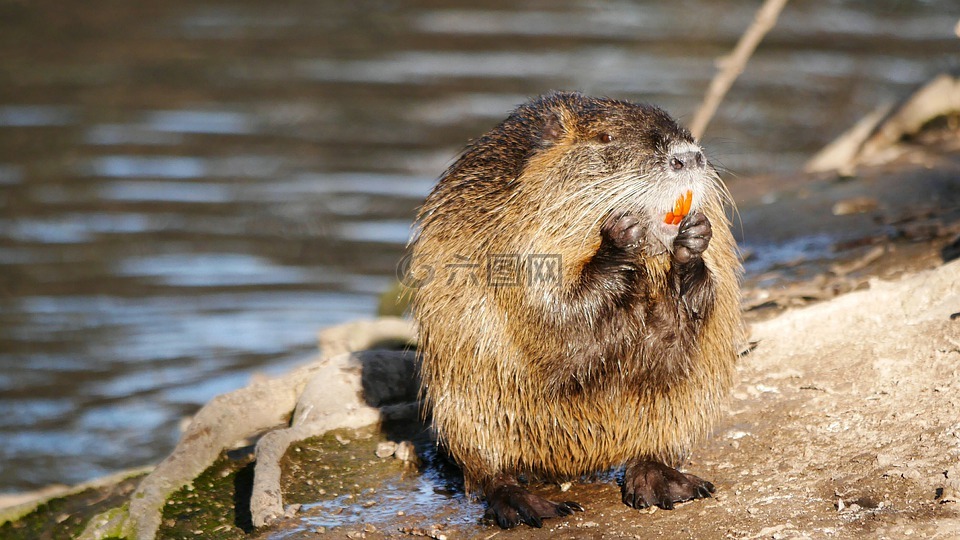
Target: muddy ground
<point>845,422</point>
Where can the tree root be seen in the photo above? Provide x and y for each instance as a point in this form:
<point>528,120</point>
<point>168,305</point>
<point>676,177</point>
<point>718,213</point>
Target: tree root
<point>342,389</point>
<point>872,138</point>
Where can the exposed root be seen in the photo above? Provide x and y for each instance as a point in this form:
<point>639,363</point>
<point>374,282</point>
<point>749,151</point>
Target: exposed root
<point>327,394</point>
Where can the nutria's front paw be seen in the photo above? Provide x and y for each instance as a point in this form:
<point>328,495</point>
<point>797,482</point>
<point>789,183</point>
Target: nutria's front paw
<point>622,230</point>
<point>510,505</point>
<point>692,238</point>
<point>649,483</point>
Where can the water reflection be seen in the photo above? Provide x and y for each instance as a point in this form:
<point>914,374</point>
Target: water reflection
<point>10,174</point>
<point>390,232</point>
<point>321,186</point>
<point>189,191</point>
<point>148,167</point>
<point>36,115</point>
<point>54,231</point>
<point>210,122</point>
<point>209,270</point>
<point>118,135</point>
<point>166,192</point>
<point>182,167</point>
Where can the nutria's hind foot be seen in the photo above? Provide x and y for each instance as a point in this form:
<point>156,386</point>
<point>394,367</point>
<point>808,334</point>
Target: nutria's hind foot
<point>650,483</point>
<point>508,505</point>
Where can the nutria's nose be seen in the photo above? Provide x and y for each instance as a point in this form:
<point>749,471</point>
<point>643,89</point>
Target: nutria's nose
<point>686,160</point>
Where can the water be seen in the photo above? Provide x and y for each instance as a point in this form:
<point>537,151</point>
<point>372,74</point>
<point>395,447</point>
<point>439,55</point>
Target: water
<point>189,190</point>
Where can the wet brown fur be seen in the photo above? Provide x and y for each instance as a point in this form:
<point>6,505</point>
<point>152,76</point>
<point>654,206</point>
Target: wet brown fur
<point>627,357</point>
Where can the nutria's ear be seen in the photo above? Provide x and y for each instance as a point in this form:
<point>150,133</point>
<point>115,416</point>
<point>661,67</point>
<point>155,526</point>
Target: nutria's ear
<point>553,129</point>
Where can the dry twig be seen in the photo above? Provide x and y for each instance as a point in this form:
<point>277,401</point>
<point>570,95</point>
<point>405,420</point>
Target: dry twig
<point>733,65</point>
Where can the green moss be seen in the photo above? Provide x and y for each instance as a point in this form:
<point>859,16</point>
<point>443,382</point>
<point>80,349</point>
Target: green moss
<point>340,464</point>
<point>109,524</point>
<point>327,467</point>
<point>65,517</point>
<point>215,506</point>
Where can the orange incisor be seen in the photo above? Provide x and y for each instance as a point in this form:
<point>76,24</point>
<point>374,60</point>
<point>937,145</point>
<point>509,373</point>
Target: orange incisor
<point>680,209</point>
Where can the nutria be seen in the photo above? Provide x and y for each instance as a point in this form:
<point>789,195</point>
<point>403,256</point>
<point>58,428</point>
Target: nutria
<point>583,307</point>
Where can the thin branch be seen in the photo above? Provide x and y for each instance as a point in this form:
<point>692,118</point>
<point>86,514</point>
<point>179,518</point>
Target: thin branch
<point>733,65</point>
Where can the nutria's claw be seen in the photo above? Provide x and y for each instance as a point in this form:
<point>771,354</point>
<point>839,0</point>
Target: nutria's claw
<point>623,230</point>
<point>647,483</point>
<point>509,505</point>
<point>692,238</point>
<point>568,507</point>
<point>705,490</point>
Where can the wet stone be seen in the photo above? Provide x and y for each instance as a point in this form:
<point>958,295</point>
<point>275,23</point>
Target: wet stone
<point>386,449</point>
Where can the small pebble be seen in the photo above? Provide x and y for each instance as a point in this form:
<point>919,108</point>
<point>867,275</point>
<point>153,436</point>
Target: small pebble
<point>291,510</point>
<point>855,205</point>
<point>386,449</point>
<point>407,453</point>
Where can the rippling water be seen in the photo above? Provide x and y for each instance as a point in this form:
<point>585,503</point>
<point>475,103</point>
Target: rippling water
<point>189,190</point>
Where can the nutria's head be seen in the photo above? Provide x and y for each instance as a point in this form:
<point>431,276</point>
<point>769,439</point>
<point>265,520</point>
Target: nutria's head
<point>571,160</point>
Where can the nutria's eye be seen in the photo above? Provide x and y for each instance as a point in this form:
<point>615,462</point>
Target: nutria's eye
<point>604,138</point>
